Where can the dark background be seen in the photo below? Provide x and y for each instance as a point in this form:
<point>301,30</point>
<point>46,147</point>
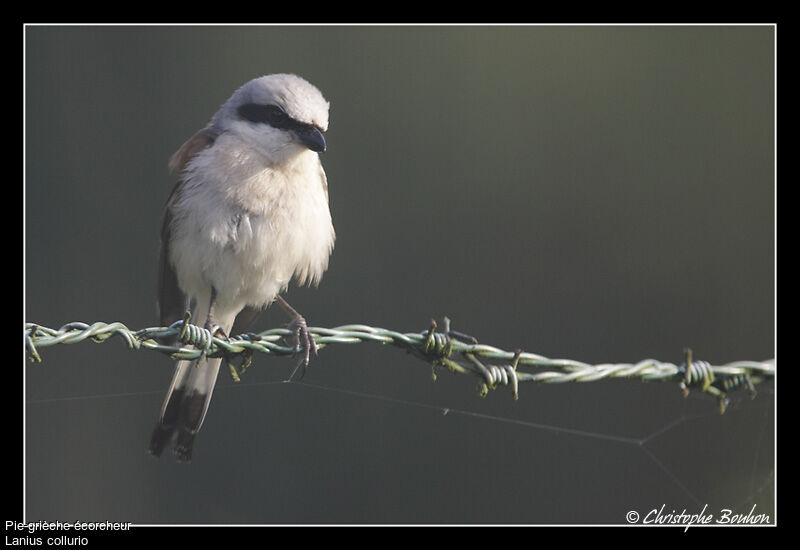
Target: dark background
<point>604,194</point>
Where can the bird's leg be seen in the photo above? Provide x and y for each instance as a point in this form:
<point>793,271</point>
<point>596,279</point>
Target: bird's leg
<point>303,342</point>
<point>211,324</point>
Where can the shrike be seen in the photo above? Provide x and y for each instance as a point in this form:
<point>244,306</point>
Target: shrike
<point>249,213</point>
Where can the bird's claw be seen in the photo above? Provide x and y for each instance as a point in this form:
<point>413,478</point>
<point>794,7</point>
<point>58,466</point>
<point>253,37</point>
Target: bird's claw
<point>303,343</point>
<point>215,330</point>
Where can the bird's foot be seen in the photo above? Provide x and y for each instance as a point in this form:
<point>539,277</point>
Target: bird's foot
<point>304,343</point>
<point>212,327</point>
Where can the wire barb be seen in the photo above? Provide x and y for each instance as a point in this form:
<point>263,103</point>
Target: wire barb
<point>459,352</point>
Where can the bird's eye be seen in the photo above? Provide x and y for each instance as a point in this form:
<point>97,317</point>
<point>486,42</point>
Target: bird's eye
<point>278,118</point>
<point>269,114</point>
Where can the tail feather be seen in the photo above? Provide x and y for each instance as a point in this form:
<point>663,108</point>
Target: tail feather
<point>164,431</point>
<point>160,439</point>
<point>184,409</point>
<point>184,442</point>
<point>187,401</point>
<point>193,408</point>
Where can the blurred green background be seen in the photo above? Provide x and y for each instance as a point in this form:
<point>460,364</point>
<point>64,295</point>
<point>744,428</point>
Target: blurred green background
<point>602,193</point>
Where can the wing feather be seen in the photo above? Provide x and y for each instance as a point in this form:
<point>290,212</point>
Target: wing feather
<point>171,299</point>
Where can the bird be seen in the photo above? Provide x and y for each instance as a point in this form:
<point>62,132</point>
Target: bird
<point>249,213</point>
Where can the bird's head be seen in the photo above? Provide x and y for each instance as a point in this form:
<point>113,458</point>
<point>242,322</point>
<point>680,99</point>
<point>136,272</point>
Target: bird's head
<point>280,115</point>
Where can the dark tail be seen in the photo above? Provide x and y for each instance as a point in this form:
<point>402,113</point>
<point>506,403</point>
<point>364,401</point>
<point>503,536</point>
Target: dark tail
<point>165,427</point>
<point>184,408</point>
<point>181,421</point>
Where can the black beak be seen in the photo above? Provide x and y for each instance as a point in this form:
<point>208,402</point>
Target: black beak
<point>312,138</point>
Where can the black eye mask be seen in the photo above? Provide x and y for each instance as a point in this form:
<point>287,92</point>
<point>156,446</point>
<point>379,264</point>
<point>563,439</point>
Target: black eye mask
<point>271,115</point>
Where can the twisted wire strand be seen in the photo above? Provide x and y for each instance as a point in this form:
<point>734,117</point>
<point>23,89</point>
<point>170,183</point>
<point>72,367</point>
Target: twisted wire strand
<point>452,350</point>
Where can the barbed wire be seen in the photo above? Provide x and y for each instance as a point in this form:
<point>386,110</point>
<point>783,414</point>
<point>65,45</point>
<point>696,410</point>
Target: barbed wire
<point>457,352</point>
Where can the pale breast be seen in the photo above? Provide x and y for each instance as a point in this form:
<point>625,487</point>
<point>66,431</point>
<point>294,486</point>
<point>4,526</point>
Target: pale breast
<point>248,229</point>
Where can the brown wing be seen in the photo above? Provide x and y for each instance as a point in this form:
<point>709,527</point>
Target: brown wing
<point>171,299</point>
<point>193,145</point>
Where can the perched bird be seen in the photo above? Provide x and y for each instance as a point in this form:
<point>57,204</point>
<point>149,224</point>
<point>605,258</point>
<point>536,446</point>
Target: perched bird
<point>249,213</point>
